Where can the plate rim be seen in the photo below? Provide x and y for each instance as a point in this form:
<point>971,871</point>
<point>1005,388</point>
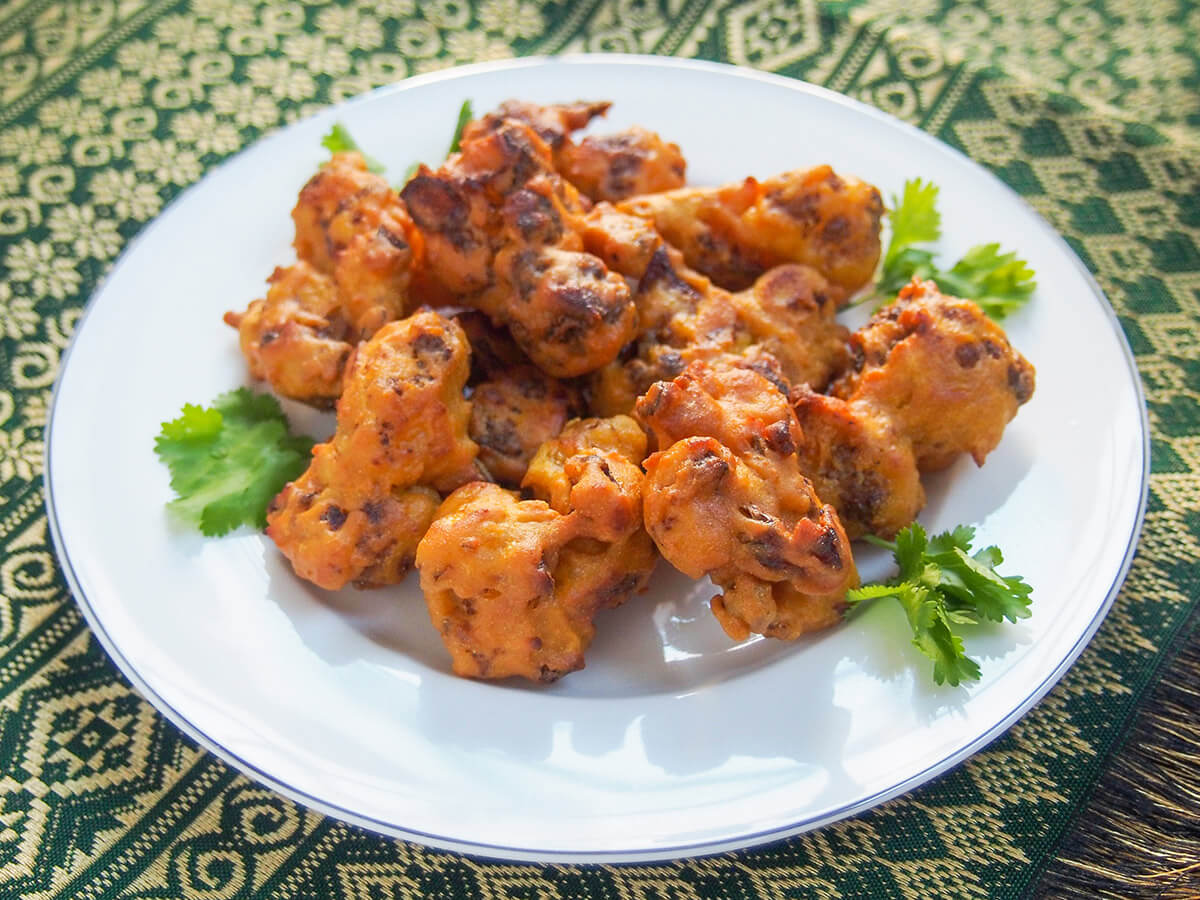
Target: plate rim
<point>499,851</point>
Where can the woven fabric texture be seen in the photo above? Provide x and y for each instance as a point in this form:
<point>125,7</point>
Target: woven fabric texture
<point>108,108</point>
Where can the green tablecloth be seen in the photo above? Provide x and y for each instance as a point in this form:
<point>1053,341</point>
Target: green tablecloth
<point>1090,110</point>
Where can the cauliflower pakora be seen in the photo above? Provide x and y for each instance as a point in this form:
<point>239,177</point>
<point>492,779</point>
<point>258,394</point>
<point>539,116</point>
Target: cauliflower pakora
<point>513,585</point>
<point>941,371</point>
<point>786,317</point>
<point>358,511</point>
<point>502,234</point>
<point>859,463</point>
<point>602,167</point>
<point>513,413</point>
<point>789,312</point>
<point>353,225</point>
<point>932,377</point>
<point>552,122</point>
<point>356,249</point>
<point>724,497</point>
<point>734,233</point>
<point>296,338</point>
<point>628,163</point>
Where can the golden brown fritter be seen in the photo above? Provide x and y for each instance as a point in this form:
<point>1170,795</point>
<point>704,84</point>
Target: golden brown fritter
<point>486,567</point>
<point>859,463</point>
<point>681,309</point>
<point>553,122</point>
<point>682,317</point>
<point>592,472</point>
<point>932,378</point>
<point>357,513</point>
<point>625,243</point>
<point>788,315</point>
<point>625,164</point>
<point>563,307</point>
<point>295,338</point>
<point>725,498</point>
<point>513,585</point>
<point>789,312</point>
<point>502,234</point>
<point>734,233</point>
<point>352,225</point>
<point>460,208</point>
<point>493,351</point>
<point>610,450</point>
<point>513,413</point>
<point>941,371</point>
<point>357,248</point>
<point>604,167</point>
<point>738,406</point>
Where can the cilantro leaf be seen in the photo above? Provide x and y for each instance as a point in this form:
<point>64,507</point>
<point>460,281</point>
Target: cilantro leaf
<point>933,636</point>
<point>227,462</point>
<point>907,264</point>
<point>941,584</point>
<point>339,141</point>
<point>909,551</point>
<point>915,218</point>
<point>195,423</point>
<point>999,282</point>
<point>465,115</point>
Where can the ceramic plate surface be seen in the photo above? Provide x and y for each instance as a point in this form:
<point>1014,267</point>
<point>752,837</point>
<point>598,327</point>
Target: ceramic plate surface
<point>673,741</point>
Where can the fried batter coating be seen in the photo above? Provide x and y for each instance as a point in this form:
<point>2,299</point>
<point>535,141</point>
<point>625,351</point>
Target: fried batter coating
<point>625,243</point>
<point>493,351</point>
<point>932,378</point>
<point>859,463</point>
<point>734,233</point>
<point>358,511</point>
<point>569,313</point>
<point>725,498</point>
<point>605,167</point>
<point>295,338</point>
<point>941,371</point>
<point>591,469</point>
<point>788,315</point>
<point>515,407</point>
<point>357,248</point>
<point>502,233</point>
<point>486,567</point>
<point>681,318</point>
<point>513,585</point>
<point>628,163</point>
<point>513,413</point>
<point>352,225</point>
<point>553,123</point>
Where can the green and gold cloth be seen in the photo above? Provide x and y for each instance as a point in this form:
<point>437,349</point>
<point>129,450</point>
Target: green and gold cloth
<point>1091,110</point>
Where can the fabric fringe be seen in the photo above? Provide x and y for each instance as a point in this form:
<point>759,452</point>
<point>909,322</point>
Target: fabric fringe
<point>1139,835</point>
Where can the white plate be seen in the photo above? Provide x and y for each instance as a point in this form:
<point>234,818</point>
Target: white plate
<point>673,741</point>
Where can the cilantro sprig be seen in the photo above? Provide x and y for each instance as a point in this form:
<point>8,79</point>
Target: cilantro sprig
<point>227,461</point>
<point>999,282</point>
<point>465,114</point>
<point>942,584</point>
<point>339,141</point>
